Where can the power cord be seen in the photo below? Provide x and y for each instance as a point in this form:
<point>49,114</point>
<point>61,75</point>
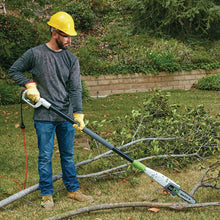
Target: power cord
<point>22,126</point>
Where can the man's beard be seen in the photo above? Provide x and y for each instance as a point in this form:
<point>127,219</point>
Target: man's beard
<point>60,45</point>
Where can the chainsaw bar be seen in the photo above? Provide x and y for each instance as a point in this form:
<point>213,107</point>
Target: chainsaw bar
<point>186,197</point>
<point>174,189</point>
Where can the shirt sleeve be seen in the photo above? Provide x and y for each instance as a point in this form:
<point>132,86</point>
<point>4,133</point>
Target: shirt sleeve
<point>75,88</point>
<point>22,64</point>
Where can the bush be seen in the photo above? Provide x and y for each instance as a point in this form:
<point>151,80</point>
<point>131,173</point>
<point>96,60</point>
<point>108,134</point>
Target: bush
<point>82,14</point>
<point>180,18</point>
<point>16,36</point>
<point>85,92</point>
<point>164,62</point>
<point>211,82</point>
<point>100,7</point>
<point>88,57</point>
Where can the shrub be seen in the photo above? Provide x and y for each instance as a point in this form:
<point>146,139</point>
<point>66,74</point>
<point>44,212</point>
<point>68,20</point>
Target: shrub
<point>88,57</point>
<point>100,7</point>
<point>164,62</point>
<point>176,17</point>
<point>85,92</point>
<point>211,82</point>
<point>16,36</point>
<point>82,14</point>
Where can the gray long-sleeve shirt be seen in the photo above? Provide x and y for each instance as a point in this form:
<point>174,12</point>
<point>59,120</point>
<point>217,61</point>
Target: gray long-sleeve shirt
<point>57,75</point>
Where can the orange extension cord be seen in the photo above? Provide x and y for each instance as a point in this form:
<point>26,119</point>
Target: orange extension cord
<point>26,156</point>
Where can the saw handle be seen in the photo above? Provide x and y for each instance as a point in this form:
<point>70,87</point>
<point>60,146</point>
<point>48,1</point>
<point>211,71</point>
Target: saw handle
<point>41,101</point>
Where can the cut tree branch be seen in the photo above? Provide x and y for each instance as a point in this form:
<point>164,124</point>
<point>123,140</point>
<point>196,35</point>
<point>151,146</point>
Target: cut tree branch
<point>121,147</point>
<point>175,206</point>
<point>127,164</point>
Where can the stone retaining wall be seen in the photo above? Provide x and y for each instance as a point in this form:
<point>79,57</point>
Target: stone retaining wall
<point>105,85</point>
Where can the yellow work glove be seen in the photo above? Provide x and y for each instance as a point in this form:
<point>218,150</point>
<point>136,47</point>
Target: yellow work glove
<point>32,91</point>
<point>78,117</point>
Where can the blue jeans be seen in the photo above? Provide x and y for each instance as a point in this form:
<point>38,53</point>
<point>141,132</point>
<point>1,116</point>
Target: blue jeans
<point>65,136</point>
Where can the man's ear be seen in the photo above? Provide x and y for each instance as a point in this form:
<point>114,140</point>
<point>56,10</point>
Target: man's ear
<point>54,34</point>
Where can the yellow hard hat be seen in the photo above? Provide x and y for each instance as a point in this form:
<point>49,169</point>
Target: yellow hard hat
<point>63,22</point>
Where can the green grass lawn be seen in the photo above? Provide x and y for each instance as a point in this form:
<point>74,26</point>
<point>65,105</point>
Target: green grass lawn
<point>122,104</point>
<point>104,190</point>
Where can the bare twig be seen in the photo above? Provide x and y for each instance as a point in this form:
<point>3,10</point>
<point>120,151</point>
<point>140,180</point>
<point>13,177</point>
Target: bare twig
<point>201,181</point>
<point>141,120</point>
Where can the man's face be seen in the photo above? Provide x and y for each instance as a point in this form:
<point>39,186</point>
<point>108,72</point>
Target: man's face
<point>63,40</point>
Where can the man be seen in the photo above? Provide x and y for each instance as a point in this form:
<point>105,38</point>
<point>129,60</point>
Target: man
<point>56,77</point>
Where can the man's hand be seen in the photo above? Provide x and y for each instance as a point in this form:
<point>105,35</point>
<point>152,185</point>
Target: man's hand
<point>32,91</point>
<point>78,117</point>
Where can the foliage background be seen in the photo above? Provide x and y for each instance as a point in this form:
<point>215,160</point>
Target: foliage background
<point>121,36</point>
